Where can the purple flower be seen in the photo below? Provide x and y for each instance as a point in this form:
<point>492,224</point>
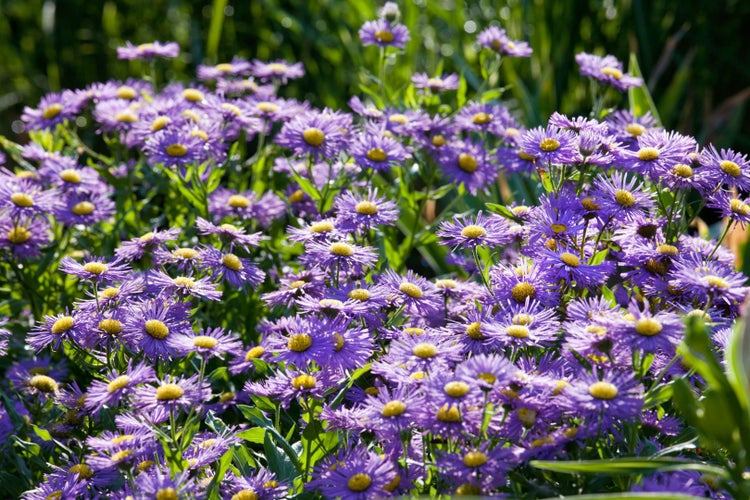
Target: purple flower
<point>707,280</point>
<point>55,329</point>
<point>377,151</point>
<point>657,153</point>
<point>136,248</point>
<point>159,483</point>
<point>626,127</point>
<point>24,239</point>
<point>435,84</point>
<point>171,395</point>
<point>550,145</point>
<point>25,198</point>
<point>725,168</point>
<point>483,117</point>
<point>289,386</point>
<point>148,50</point>
<point>497,40</point>
<point>383,33</point>
<point>184,286</point>
<point>263,484</point>
<point>96,270</point>
<point>356,474</point>
<point>360,213</point>
<point>278,70</point>
<point>238,67</point>
<point>606,70</point>
<point>229,234</point>
<point>117,386</point>
<point>157,324</point>
<point>174,147</point>
<point>319,134</point>
<point>339,256</point>
<point>230,268</point>
<point>482,467</point>
<point>418,296</point>
<point>467,232</point>
<point>53,109</point>
<point>302,341</point>
<point>467,163</point>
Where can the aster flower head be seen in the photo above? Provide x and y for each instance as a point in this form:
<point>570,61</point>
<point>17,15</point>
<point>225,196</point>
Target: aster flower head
<point>228,267</point>
<point>469,232</point>
<point>384,33</point>
<point>623,197</point>
<point>286,387</point>
<point>657,152</point>
<point>497,40</point>
<point>414,292</point>
<point>117,387</point>
<point>24,239</point>
<point>137,248</point>
<point>435,84</point>
<point>467,163</point>
<point>356,474</point>
<point>279,70</point>
<point>237,68</point>
<point>319,134</point>
<point>229,234</point>
<point>56,329</point>
<point>174,147</point>
<point>171,395</point>
<point>626,127</point>
<point>182,287</point>
<point>551,145</point>
<point>96,270</point>
<point>262,484</point>
<point>54,109</point>
<point>362,212</point>
<point>156,325</point>
<point>148,50</point>
<point>377,151</point>
<point>607,70</point>
<point>339,256</point>
<point>725,167</point>
<point>25,198</point>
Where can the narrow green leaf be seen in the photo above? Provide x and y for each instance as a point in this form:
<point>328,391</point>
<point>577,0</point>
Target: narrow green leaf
<point>639,97</point>
<point>626,466</point>
<point>500,209</point>
<point>632,496</point>
<point>254,435</point>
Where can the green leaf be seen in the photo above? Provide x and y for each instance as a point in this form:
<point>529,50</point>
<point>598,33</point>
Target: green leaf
<point>500,209</point>
<point>639,97</point>
<point>632,496</point>
<point>441,191</point>
<point>626,466</point>
<point>254,435</point>
<point>256,416</point>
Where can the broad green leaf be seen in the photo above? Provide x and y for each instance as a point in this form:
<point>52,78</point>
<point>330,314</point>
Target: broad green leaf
<point>626,466</point>
<point>500,209</point>
<point>254,435</point>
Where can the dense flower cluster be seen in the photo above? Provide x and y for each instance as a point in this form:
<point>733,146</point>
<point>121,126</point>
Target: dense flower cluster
<point>288,331</point>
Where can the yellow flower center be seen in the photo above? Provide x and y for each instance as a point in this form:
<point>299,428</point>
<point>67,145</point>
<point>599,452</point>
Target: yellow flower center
<point>359,482</point>
<point>205,342</point>
<point>145,465</point>
<point>359,294</point>
<point>438,140</point>
<point>185,253</point>
<point>613,72</point>
<point>147,237</point>
<point>231,108</point>
<point>372,391</point>
<point>159,123</point>
<point>226,397</point>
<point>199,133</point>
<point>597,330</point>
<point>121,455</point>
<point>339,341</point>
<point>474,330</point>
<point>184,282</point>
<point>522,290</point>
<point>446,283</point>
<point>648,327</point>
<point>191,115</point>
<point>393,483</point>
<point>121,439</point>
<point>648,154</point>
<point>683,171</point>
<point>169,392</point>
<point>83,471</point>
<point>522,319</point>
<point>667,250</point>
<point>527,417</point>
<point>411,290</point>
<point>22,200</point>
<point>517,331</point>
<point>52,111</point>
<point>118,383</point>
<point>456,389</point>
<point>176,150</point>
<point>321,227</point>
<point>232,262</point>
<point>168,493</point>
<point>83,208</point>
<point>303,382</point>
<point>424,350</point>
<point>192,95</point>
<point>523,155</point>
<point>603,390</point>
<point>467,163</point>
<point>475,459</point>
<point>330,303</point>
<point>377,155</point>
<point>95,268</point>
<point>267,107</point>
<point>62,325</point>
<point>473,231</point>
<point>245,495</point>
<point>156,329</point>
<point>126,116</point>
<point>398,118</point>
<point>487,377</point>
<point>43,383</point>
<point>393,408</point>
<point>238,201</point>
<point>549,144</point>
<point>70,176</point>
<point>342,249</point>
<point>635,129</point>
<point>569,259</point>
<point>558,228</point>
<point>297,284</point>
<point>624,198</point>
<point>717,282</point>
<point>126,92</point>
<point>481,119</point>
<point>299,342</point>
<point>589,204</point>
<point>110,326</point>
<point>730,168</point>
<point>448,414</point>
<point>313,136</point>
<point>739,207</point>
<point>384,36</point>
<point>254,353</point>
<point>366,208</point>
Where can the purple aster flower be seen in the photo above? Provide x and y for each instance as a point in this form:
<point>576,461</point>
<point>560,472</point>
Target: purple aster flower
<point>96,270</point>
<point>54,109</point>
<point>418,296</point>
<point>483,117</point>
<point>148,50</point>
<point>481,467</point>
<point>85,210</point>
<point>278,70</point>
<point>291,287</point>
<point>263,484</point>
<point>389,412</point>
<point>208,343</point>
<point>467,163</point>
<point>56,329</point>
<point>447,388</point>
<point>551,145</point>
<point>228,267</point>
<point>339,256</point>
<point>24,239</point>
<point>470,232</point>
<point>136,248</point>
<point>607,70</point>
<point>117,387</point>
<point>319,134</point>
<point>184,286</point>
<point>356,474</point>
<point>626,127</point>
<point>157,325</point>
<point>25,198</point>
<point>691,483</point>
<point>707,280</point>
<point>577,124</point>
<point>423,353</point>
<point>208,447</point>
<point>171,395</point>
<point>229,234</point>
<point>57,487</point>
<point>624,199</point>
<point>497,40</point>
<point>657,153</point>
<point>286,387</point>
<point>522,282</point>
<point>648,331</point>
<point>360,212</point>
<point>303,340</point>
<point>435,84</point>
<point>726,168</point>
<point>523,325</point>
<point>377,151</point>
<point>174,147</point>
<point>159,483</point>
<point>238,67</point>
<point>384,33</point>
<point>604,399</point>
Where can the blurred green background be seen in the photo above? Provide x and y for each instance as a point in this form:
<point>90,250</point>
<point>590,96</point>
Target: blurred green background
<point>691,52</point>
